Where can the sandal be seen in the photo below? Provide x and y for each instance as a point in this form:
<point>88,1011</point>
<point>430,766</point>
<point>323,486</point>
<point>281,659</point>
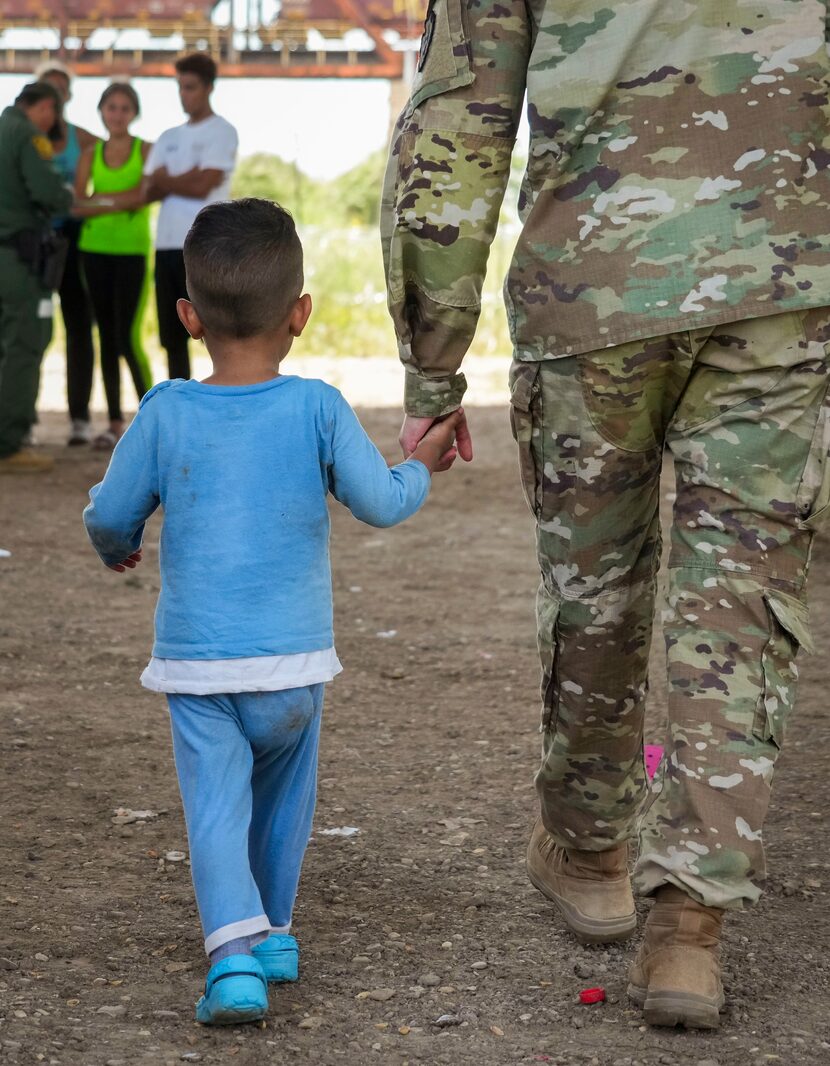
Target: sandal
<point>279,955</point>
<point>106,441</point>
<point>235,992</point>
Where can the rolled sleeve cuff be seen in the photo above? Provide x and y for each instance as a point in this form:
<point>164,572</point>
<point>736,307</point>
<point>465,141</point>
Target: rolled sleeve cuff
<point>433,397</point>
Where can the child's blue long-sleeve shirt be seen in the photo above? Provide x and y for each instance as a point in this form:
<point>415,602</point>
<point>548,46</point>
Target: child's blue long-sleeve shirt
<point>242,473</point>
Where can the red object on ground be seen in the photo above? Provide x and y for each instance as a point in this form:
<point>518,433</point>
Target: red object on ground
<point>592,995</point>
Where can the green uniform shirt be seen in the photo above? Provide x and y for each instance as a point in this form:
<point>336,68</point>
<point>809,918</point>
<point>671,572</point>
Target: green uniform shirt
<point>31,190</point>
<point>677,175</point>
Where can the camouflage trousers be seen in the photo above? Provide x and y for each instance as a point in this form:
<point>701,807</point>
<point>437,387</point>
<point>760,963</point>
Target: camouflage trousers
<point>743,410</point>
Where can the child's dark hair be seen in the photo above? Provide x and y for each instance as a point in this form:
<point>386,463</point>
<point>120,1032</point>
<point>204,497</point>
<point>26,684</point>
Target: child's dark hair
<point>244,265</point>
<point>200,64</point>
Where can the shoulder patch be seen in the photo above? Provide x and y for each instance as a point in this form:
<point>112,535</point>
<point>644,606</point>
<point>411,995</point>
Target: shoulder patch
<point>43,146</point>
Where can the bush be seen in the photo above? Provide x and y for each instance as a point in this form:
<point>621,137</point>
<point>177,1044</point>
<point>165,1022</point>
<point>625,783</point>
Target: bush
<point>338,222</point>
<point>352,199</point>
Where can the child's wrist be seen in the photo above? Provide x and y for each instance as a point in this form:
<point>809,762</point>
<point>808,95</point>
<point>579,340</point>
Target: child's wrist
<point>428,454</point>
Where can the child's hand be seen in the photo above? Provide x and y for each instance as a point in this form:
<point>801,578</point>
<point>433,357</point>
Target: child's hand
<point>436,449</point>
<point>130,563</point>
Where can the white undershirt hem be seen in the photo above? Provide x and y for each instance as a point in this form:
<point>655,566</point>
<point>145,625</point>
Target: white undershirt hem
<point>258,673</point>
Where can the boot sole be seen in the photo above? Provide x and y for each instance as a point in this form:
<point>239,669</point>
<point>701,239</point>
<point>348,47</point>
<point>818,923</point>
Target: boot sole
<point>677,1008</point>
<point>587,930</point>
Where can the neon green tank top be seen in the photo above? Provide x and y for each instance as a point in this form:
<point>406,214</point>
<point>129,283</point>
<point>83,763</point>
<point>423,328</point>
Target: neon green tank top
<point>122,232</point>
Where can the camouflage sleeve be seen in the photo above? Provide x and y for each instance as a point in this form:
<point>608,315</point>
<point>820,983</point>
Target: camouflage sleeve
<point>448,170</point>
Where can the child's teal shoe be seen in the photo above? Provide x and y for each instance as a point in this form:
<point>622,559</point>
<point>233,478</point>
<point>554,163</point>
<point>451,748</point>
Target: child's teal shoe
<point>280,957</point>
<point>235,991</point>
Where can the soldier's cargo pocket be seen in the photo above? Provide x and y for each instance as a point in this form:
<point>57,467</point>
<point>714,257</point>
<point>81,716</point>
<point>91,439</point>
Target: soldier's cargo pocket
<point>524,395</point>
<point>549,637</point>
<point>443,59</point>
<point>813,499</point>
<point>789,623</point>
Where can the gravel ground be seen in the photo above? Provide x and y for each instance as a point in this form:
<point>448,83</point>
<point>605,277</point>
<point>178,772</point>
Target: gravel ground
<point>421,939</point>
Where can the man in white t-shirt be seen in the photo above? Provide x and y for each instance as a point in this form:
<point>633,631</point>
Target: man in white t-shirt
<point>188,166</point>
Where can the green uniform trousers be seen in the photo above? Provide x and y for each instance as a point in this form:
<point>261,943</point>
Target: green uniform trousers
<point>25,332</point>
<point>743,409</point>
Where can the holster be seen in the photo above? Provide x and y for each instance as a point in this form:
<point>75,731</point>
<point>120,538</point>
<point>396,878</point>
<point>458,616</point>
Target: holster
<point>44,252</point>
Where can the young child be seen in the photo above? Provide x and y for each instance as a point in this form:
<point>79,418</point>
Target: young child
<point>242,463</point>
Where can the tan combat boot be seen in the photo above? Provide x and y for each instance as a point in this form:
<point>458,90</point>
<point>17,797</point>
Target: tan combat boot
<point>676,975</point>
<point>26,461</point>
<point>591,888</point>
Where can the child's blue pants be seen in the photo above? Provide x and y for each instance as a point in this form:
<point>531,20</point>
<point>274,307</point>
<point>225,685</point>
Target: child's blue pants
<point>247,767</point>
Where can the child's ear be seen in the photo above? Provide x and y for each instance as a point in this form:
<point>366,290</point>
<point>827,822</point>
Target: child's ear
<point>189,317</point>
<point>299,315</point>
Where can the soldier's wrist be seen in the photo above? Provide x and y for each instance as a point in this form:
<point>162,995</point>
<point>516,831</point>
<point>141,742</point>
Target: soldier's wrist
<point>426,397</point>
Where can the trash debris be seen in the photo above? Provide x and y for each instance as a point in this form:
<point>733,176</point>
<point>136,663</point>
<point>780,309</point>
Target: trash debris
<point>653,755</point>
<point>340,831</point>
<point>5,554</point>
<point>174,856</point>
<point>125,816</point>
<point>387,633</point>
<point>592,995</point>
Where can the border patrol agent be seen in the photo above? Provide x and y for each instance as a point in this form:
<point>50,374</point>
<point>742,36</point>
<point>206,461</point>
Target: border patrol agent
<point>31,192</point>
<point>669,290</point>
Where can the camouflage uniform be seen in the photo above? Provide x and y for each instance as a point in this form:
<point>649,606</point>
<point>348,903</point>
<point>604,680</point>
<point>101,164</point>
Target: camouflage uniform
<point>667,291</point>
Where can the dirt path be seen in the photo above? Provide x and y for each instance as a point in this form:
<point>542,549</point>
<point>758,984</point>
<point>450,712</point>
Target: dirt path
<point>429,747</point>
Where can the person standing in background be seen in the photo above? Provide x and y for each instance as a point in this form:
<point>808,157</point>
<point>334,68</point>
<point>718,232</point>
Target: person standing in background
<point>76,307</point>
<point>189,166</point>
<point>31,192</point>
<point>115,247</point>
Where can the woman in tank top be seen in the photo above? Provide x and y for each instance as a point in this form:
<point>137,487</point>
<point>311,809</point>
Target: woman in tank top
<point>76,308</point>
<point>115,245</point>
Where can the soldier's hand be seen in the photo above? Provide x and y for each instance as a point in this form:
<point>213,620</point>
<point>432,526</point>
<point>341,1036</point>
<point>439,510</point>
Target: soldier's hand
<point>414,429</point>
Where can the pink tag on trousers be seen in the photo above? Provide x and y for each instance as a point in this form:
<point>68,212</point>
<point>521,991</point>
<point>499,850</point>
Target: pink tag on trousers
<point>654,753</point>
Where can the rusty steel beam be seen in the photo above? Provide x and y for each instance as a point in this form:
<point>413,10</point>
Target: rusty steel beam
<point>385,63</point>
<point>387,71</point>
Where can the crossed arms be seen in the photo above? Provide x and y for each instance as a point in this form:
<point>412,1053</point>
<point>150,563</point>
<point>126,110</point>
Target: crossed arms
<point>196,183</point>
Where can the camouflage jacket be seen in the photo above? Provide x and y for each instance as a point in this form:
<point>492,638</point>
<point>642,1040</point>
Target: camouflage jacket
<point>677,176</point>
